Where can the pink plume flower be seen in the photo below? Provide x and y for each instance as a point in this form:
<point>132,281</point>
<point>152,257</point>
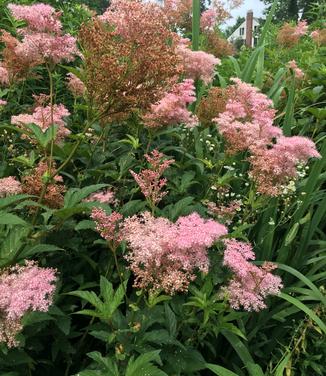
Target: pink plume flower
<point>2,102</point>
<point>23,289</point>
<point>75,85</point>
<point>149,180</point>
<point>108,225</point>
<point>43,47</point>
<point>298,73</point>
<point>208,20</point>
<point>301,28</point>
<point>4,76</point>
<point>42,116</point>
<point>250,284</point>
<point>39,17</point>
<point>172,108</point>
<point>197,65</point>
<point>105,197</point>
<point>10,186</point>
<point>272,168</point>
<point>247,122</point>
<point>165,255</point>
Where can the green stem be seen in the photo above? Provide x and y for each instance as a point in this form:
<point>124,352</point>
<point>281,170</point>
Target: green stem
<point>195,24</point>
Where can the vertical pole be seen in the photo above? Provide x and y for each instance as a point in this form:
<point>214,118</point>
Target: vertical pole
<point>195,24</point>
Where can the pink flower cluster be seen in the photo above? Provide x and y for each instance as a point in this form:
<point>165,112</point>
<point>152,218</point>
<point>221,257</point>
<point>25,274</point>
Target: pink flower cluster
<point>75,85</point>
<point>4,76</point>
<point>197,65</point>
<point>43,40</point>
<point>2,102</point>
<point>44,117</point>
<point>224,212</point>
<point>172,108</point>
<point>301,29</point>
<point>149,180</point>
<point>39,17</point>
<point>247,122</point>
<point>208,20</point>
<point>165,255</point>
<point>250,284</point>
<point>272,168</point>
<point>108,225</point>
<point>247,125</point>
<point>298,73</point>
<point>105,197</point>
<point>22,289</point>
<point>128,17</point>
<point>9,186</point>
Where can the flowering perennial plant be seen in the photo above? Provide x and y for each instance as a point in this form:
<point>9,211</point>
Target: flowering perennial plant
<point>197,65</point>
<point>105,197</point>
<point>75,85</point>
<point>298,73</point>
<point>250,284</point>
<point>43,40</point>
<point>9,186</point>
<point>165,255</point>
<point>108,226</point>
<point>146,44</point>
<point>172,108</point>
<point>44,117</point>
<point>36,182</point>
<point>150,180</point>
<point>289,36</point>
<point>247,125</point>
<point>23,289</point>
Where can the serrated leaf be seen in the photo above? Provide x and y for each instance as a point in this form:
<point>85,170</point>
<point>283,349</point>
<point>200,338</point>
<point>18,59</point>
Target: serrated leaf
<point>11,219</point>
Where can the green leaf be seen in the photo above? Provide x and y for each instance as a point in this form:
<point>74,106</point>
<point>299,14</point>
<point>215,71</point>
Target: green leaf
<point>11,219</point>
<point>143,365</point>
<point>243,353</point>
<point>170,320</point>
<point>39,248</point>
<point>90,297</point>
<point>75,195</point>
<point>305,309</point>
<point>220,371</point>
<point>281,367</point>
<point>10,200</point>
<point>291,234</point>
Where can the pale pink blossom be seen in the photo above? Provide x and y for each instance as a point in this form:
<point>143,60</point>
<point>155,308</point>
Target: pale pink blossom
<point>44,47</point>
<point>75,85</point>
<point>23,289</point>
<point>39,17</point>
<point>247,122</point>
<point>208,19</point>
<point>4,76</point>
<point>108,225</point>
<point>9,186</point>
<point>44,117</point>
<point>2,102</point>
<point>105,197</point>
<point>197,65</point>
<point>272,168</point>
<point>165,255</point>
<point>129,17</point>
<point>250,284</point>
<point>172,108</point>
<point>315,35</point>
<point>301,28</point>
<point>298,73</point>
<point>150,180</point>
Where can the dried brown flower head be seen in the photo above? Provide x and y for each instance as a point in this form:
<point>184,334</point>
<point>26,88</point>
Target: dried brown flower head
<point>33,185</point>
<point>217,46</point>
<point>212,105</point>
<point>128,65</point>
<point>287,36</point>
